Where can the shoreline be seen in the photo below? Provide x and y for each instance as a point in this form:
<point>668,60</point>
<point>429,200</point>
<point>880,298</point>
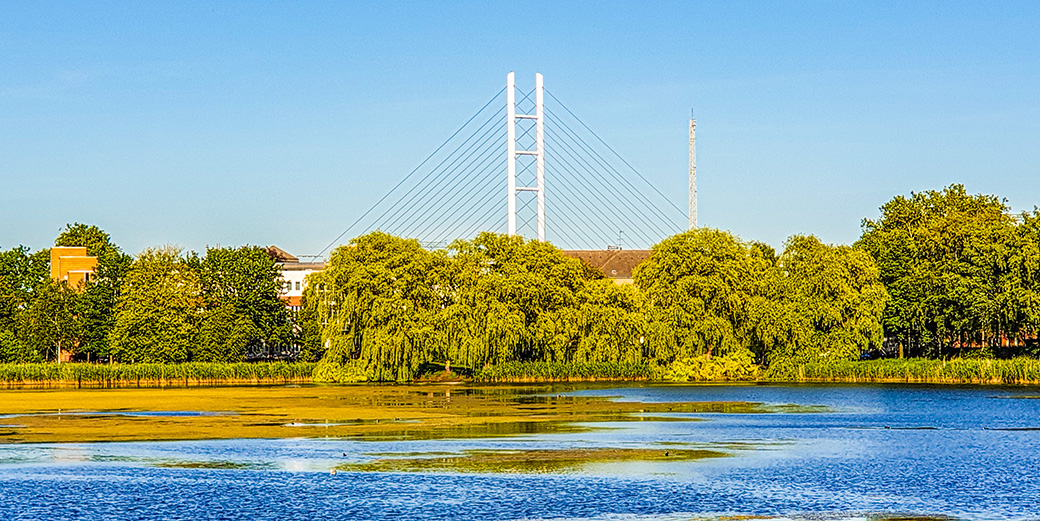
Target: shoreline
<point>247,383</point>
<point>985,372</point>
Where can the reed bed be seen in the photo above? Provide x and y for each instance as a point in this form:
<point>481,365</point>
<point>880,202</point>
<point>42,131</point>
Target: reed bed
<point>916,370</point>
<point>152,375</point>
<point>566,372</point>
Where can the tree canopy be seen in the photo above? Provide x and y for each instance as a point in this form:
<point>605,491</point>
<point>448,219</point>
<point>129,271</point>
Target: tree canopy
<point>942,273</point>
<point>709,293</point>
<point>95,307</point>
<point>240,289</point>
<point>389,307</point>
<point>960,269</point>
<point>163,306</point>
<point>158,310</point>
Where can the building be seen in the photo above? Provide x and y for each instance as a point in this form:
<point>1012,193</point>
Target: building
<point>294,276</point>
<point>72,264</point>
<point>615,264</point>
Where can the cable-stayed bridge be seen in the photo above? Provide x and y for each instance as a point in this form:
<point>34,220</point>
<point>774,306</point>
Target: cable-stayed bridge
<point>524,164</point>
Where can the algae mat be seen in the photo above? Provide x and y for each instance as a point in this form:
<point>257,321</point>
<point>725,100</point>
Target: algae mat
<point>525,461</point>
<point>366,411</point>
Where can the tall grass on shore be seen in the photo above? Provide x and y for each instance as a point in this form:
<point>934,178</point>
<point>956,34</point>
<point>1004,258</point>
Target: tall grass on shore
<point>565,372</point>
<point>696,369</point>
<point>915,370</point>
<point>151,375</point>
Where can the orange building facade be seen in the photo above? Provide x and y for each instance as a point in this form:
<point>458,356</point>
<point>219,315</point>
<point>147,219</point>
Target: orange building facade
<point>72,264</point>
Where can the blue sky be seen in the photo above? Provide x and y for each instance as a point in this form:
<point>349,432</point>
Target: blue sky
<point>198,123</point>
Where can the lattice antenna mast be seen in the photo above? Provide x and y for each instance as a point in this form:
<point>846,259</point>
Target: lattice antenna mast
<point>512,153</point>
<point>693,174</point>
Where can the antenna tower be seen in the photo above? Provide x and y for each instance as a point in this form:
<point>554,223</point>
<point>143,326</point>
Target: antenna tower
<point>693,174</point>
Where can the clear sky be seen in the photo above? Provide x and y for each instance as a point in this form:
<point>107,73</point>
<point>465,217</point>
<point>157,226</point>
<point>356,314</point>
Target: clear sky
<point>204,123</point>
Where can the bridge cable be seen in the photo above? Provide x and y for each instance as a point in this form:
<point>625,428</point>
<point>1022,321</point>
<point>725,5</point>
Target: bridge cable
<point>614,152</point>
<point>407,200</point>
<point>419,199</point>
<point>461,210</point>
<point>442,182</point>
<point>416,169</point>
<point>582,145</point>
<point>566,166</point>
<point>591,171</point>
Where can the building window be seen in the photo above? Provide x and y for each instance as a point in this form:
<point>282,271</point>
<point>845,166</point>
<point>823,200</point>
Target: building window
<point>297,286</point>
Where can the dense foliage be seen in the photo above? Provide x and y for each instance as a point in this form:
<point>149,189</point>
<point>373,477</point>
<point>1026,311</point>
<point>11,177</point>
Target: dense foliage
<point>390,307</point>
<point>708,293</point>
<point>961,270</point>
<point>96,306</point>
<point>957,370</point>
<point>160,307</point>
<point>938,274</point>
<point>562,371</point>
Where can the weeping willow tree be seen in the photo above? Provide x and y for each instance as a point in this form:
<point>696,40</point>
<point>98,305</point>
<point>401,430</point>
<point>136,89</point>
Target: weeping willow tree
<point>388,307</point>
<point>374,299</point>
<point>704,289</point>
<point>826,304</point>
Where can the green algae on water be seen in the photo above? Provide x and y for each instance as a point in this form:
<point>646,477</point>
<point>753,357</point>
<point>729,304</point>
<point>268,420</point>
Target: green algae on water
<point>535,461</point>
<point>213,465</point>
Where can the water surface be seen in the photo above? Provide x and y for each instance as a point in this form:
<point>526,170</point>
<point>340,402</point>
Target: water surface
<point>862,452</point>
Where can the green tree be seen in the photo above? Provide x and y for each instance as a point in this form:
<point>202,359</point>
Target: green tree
<point>701,288</point>
<point>224,336</point>
<point>13,350</point>
<point>308,335</point>
<point>244,282</point>
<point>519,297</point>
<point>378,296</point>
<point>1018,287</point>
<point>21,274</point>
<point>830,300</point>
<point>944,258</point>
<point>96,306</point>
<point>49,324</point>
<point>388,307</point>
<point>94,239</point>
<point>158,310</point>
<point>610,325</point>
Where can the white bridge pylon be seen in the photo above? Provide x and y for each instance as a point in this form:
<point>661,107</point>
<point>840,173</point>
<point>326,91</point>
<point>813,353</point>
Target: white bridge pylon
<point>512,153</point>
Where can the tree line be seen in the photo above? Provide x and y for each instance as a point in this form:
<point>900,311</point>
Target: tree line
<point>962,273</point>
<point>938,274</point>
<point>389,308</point>
<point>162,306</point>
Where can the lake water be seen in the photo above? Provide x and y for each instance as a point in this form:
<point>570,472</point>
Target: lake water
<point>964,452</point>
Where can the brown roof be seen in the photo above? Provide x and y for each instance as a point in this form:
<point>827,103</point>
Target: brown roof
<point>281,255</point>
<point>615,264</point>
<point>302,266</point>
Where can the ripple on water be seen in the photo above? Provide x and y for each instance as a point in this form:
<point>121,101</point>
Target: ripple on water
<point>977,462</point>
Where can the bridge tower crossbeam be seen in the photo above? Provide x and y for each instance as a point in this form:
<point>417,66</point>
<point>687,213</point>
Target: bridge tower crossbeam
<point>512,153</point>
